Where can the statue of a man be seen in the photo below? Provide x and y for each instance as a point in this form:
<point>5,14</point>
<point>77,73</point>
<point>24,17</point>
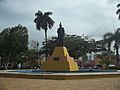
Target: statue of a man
<point>61,34</point>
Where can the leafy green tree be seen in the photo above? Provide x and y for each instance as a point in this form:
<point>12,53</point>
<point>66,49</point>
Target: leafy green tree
<point>44,21</point>
<point>13,42</point>
<point>32,55</point>
<point>113,37</point>
<point>52,43</point>
<point>104,56</point>
<point>77,45</point>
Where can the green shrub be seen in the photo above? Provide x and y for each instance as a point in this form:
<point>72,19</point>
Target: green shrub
<point>115,67</point>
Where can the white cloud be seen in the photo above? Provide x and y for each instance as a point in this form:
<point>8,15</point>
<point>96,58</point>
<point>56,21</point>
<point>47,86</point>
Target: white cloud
<point>77,16</point>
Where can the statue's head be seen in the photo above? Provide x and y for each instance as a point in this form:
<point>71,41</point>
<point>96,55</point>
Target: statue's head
<point>60,24</point>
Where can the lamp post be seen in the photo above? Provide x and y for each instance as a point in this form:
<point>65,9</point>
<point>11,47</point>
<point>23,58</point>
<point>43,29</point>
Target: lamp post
<point>0,61</point>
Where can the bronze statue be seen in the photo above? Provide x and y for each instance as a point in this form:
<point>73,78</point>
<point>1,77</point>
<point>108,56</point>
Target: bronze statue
<point>61,34</point>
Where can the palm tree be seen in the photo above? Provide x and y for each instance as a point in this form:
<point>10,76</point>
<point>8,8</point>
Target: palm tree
<point>43,21</point>
<point>113,37</point>
<point>100,46</point>
<point>118,11</point>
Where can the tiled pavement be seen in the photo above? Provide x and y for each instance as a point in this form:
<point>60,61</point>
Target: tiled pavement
<point>41,84</point>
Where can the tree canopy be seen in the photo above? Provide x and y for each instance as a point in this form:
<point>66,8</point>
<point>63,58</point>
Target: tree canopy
<point>113,37</point>
<point>43,21</point>
<point>77,45</point>
<point>13,43</point>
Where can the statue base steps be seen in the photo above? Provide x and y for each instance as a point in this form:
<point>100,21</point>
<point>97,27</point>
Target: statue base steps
<point>60,61</point>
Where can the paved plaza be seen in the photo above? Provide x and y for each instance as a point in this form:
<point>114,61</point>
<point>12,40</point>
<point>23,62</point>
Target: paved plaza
<point>46,84</point>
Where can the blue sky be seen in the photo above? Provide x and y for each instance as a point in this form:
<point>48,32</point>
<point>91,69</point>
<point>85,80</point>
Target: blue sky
<point>89,17</point>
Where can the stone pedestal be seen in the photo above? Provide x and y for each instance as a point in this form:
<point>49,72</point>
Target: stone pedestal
<point>60,61</point>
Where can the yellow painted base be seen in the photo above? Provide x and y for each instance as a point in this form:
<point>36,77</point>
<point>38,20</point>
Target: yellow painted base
<point>60,61</point>
<point>60,52</point>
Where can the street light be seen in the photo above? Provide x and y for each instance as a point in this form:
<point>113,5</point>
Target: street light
<point>0,61</point>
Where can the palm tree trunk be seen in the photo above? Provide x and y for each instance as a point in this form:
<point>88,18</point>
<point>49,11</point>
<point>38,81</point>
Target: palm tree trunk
<point>46,43</point>
<point>117,53</point>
